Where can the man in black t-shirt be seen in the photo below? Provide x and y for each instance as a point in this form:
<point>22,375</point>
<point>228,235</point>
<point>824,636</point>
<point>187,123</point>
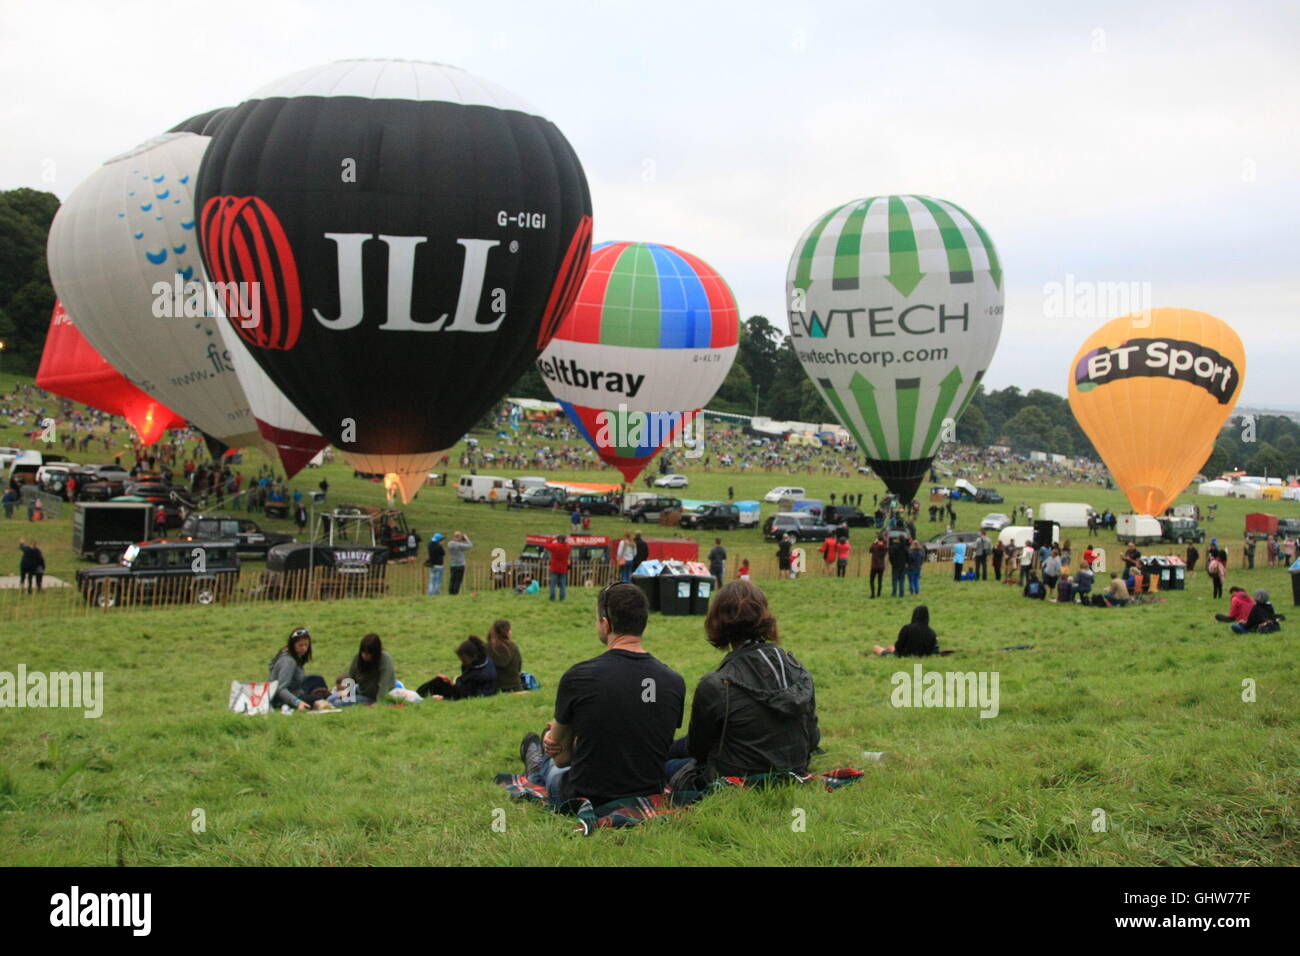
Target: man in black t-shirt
<point>615,714</point>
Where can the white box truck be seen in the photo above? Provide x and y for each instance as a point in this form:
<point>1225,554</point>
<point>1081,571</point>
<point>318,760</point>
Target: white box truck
<point>1138,529</point>
<point>1067,514</point>
<point>479,487</point>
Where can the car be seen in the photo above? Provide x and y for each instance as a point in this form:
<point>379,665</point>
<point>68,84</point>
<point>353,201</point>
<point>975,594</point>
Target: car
<point>106,472</point>
<point>716,516</point>
<point>804,527</point>
<point>100,490</point>
<point>847,515</point>
<point>783,491</point>
<point>652,508</point>
<point>164,572</point>
<point>1288,527</point>
<point>988,496</point>
<point>1181,530</point>
<point>941,545</point>
<point>592,504</point>
<point>542,497</point>
<point>670,481</point>
<point>247,533</point>
<point>995,522</point>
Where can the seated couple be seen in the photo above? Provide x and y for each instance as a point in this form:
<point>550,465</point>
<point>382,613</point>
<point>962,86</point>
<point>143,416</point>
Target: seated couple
<point>612,736</point>
<point>370,676</point>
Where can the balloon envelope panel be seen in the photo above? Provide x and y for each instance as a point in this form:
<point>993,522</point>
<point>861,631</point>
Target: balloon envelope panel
<point>896,309</point>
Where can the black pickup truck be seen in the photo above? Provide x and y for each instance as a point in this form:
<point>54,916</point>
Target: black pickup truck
<point>248,535</point>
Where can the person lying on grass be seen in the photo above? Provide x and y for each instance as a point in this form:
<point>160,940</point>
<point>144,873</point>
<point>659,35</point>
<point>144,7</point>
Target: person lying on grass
<point>757,713</point>
<point>614,714</point>
<point>916,639</point>
<point>370,676</point>
<point>1239,606</point>
<point>478,675</point>
<point>296,688</point>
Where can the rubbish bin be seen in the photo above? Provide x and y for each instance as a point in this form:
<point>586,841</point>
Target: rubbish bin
<point>702,585</point>
<point>1295,583</point>
<point>675,592</point>
<point>646,578</point>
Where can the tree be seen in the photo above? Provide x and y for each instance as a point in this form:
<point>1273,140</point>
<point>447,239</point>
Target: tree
<point>786,397</point>
<point>736,394</point>
<point>973,427</point>
<point>26,295</point>
<point>1029,429</point>
<point>812,407</point>
<point>757,349</point>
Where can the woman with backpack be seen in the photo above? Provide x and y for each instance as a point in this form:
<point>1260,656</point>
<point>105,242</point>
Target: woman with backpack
<point>1217,569</point>
<point>505,656</point>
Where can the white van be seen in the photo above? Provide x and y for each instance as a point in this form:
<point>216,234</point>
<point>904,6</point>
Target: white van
<point>478,487</point>
<point>776,494</point>
<point>1138,529</point>
<point>528,483</point>
<point>633,498</point>
<point>1067,514</point>
<point>1021,535</point>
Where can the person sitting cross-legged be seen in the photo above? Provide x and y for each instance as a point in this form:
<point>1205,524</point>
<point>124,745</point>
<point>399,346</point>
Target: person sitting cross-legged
<point>614,714</point>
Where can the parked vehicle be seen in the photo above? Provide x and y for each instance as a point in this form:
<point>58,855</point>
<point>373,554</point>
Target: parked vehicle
<point>1261,525</point>
<point>545,497</point>
<point>528,483</point>
<point>106,472</point>
<point>53,479</point>
<point>1289,527</point>
<point>804,527</point>
<point>988,496</point>
<point>749,513</point>
<point>1139,529</point>
<point>250,537</point>
<point>164,572</point>
<point>941,545</point>
<point>103,531</point>
<point>651,508</point>
<point>314,571</point>
<point>847,515</point>
<point>715,516</point>
<point>479,487</point>
<point>995,522</point>
<point>671,481</point>
<point>782,491</point>
<point>26,463</point>
<point>592,504</point>
<point>1181,530</point>
<point>1067,514</point>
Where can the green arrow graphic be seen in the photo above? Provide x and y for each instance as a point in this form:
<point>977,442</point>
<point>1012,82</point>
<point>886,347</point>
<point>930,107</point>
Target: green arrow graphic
<point>907,395</point>
<point>837,405</point>
<point>942,405</point>
<point>848,249</point>
<point>954,243</point>
<point>995,270</point>
<point>904,264</point>
<point>864,393</point>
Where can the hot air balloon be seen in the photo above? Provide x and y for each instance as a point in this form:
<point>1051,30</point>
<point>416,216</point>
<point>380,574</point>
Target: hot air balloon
<point>71,367</point>
<point>895,308</point>
<point>123,256</point>
<point>649,341</point>
<point>416,234</point>
<point>1152,390</point>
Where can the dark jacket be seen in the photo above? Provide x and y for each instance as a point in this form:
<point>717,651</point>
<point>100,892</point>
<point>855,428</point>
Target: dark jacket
<point>33,561</point>
<point>477,681</point>
<point>437,554</point>
<point>897,555</point>
<point>508,666</point>
<point>642,553</point>
<point>916,640</point>
<point>1259,614</point>
<point>756,713</point>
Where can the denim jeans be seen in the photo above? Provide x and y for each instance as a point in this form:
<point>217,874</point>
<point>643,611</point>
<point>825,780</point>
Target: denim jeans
<point>562,579</point>
<point>896,588</point>
<point>552,778</point>
<point>913,582</point>
<point>337,700</point>
<point>435,580</point>
<point>625,573</point>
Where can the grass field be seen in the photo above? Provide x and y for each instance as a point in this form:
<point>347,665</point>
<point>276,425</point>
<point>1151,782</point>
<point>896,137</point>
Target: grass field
<point>1135,712</point>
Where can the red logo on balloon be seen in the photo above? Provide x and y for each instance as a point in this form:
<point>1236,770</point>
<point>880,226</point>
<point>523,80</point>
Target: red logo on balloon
<point>567,283</point>
<point>244,243</point>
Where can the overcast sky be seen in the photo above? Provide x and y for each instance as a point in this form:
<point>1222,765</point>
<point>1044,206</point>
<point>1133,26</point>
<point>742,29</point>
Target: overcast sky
<point>1148,143</point>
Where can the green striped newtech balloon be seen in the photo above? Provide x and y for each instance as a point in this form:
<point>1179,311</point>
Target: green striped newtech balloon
<point>895,307</point>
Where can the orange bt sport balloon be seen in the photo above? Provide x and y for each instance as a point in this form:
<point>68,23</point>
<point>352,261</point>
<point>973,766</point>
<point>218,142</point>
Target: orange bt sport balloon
<point>1152,390</point>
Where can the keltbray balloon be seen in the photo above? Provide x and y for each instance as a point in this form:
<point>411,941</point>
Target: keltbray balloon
<point>1152,391</point>
<point>123,256</point>
<point>649,341</point>
<point>416,235</point>
<point>70,367</point>
<point>895,308</point>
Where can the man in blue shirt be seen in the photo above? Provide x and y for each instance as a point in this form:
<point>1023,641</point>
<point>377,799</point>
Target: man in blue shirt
<point>958,559</point>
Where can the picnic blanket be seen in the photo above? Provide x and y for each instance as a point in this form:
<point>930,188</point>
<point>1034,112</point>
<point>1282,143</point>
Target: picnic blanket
<point>633,811</point>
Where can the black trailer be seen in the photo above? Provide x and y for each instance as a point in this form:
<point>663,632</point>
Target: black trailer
<point>101,531</point>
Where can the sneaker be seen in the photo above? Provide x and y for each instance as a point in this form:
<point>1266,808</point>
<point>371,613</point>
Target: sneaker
<point>531,753</point>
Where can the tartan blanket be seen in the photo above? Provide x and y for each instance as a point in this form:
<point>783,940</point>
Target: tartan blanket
<point>633,811</point>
